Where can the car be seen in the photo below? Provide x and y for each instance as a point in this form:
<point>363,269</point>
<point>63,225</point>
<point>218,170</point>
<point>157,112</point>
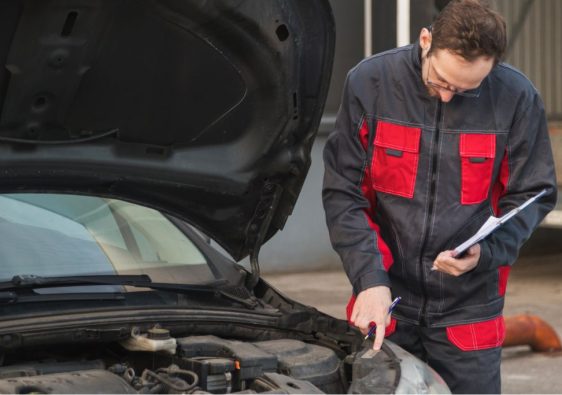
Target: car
<point>148,147</point>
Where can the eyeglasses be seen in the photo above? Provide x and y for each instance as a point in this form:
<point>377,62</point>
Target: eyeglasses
<point>460,92</point>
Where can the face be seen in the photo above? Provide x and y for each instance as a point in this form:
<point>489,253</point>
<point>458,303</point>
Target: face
<point>445,73</point>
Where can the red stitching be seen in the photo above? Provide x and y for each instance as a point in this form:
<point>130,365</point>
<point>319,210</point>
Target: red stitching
<point>412,184</point>
<point>488,171</point>
<point>473,333</point>
<point>455,341</point>
<point>383,189</point>
<point>414,175</point>
<point>381,144</point>
<point>464,347</point>
<point>383,128</point>
<point>465,151</point>
<point>379,137</point>
<point>500,336</point>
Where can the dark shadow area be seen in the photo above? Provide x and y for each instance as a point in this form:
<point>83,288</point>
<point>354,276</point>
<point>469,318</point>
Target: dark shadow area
<point>545,241</point>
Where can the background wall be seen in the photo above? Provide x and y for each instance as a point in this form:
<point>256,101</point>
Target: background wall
<point>535,46</point>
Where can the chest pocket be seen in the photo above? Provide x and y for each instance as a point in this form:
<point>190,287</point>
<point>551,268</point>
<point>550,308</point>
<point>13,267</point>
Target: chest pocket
<point>395,159</point>
<point>477,153</point>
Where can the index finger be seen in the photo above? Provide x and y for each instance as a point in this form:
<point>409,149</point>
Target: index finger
<point>379,336</point>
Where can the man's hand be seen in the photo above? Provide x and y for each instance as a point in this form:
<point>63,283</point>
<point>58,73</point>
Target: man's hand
<point>371,306</point>
<point>445,262</point>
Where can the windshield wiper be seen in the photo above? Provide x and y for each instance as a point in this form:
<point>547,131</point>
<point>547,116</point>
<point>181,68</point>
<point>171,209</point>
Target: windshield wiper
<point>30,281</point>
<point>8,297</point>
<point>21,281</point>
<point>136,280</point>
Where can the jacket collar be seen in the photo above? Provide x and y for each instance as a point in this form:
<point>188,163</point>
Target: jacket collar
<point>416,55</point>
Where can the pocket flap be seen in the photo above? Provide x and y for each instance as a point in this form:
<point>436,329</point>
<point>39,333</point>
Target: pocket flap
<point>478,146</point>
<point>478,335</point>
<point>398,137</point>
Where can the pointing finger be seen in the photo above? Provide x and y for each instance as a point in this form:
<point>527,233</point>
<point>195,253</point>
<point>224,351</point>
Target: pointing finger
<point>379,337</point>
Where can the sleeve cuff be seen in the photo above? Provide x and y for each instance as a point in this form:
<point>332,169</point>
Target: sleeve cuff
<point>370,280</point>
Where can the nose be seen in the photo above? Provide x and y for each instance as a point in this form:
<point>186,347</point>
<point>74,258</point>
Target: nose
<point>445,96</point>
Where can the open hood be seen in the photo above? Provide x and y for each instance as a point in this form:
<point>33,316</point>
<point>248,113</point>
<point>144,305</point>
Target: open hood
<point>203,109</point>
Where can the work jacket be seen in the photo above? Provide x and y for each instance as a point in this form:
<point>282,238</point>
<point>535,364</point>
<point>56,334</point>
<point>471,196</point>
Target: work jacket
<point>408,176</point>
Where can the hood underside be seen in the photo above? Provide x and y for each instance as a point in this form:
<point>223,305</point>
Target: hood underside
<point>206,110</point>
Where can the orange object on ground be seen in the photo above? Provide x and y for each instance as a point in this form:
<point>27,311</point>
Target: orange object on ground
<point>532,330</point>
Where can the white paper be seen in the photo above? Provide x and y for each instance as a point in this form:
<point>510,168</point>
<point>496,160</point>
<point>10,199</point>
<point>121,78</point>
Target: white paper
<point>491,224</point>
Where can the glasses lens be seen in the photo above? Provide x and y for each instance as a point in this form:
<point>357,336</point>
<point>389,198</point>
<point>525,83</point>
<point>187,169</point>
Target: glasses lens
<point>468,93</point>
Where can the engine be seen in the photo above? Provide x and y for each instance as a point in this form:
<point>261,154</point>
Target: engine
<point>195,364</point>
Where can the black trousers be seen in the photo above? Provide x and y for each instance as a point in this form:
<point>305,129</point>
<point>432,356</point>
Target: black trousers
<point>465,372</point>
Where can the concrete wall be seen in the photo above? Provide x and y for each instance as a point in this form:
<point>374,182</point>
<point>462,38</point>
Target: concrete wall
<point>535,46</point>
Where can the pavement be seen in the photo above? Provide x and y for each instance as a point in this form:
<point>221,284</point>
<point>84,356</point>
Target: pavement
<point>535,287</point>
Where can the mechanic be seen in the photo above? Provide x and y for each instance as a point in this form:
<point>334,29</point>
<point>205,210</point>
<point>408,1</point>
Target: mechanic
<point>430,140</point>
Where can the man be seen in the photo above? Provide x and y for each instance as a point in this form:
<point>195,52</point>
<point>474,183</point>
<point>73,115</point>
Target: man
<point>430,140</point>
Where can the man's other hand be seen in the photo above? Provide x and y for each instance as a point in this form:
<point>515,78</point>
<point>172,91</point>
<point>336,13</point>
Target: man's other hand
<point>445,262</point>
<point>371,306</point>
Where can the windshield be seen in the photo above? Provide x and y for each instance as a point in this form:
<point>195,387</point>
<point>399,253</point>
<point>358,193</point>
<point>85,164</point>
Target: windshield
<point>65,235</point>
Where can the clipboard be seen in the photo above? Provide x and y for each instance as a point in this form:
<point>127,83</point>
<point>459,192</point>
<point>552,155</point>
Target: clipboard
<point>491,224</point>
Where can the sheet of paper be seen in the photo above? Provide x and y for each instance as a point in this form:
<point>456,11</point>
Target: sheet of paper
<point>491,224</point>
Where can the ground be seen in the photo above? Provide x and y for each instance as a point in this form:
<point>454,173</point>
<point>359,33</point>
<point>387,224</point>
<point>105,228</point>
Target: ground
<point>535,287</point>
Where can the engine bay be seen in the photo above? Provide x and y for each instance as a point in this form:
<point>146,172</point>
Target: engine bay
<point>146,363</point>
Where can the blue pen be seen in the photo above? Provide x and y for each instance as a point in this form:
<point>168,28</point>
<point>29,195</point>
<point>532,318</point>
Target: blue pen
<point>373,329</point>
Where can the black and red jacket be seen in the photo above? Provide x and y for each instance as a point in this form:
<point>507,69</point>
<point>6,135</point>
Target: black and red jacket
<point>408,176</point>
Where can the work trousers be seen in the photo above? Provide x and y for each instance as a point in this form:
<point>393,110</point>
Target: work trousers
<point>465,372</point>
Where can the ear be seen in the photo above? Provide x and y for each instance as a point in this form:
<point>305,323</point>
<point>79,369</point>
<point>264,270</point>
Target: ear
<point>425,40</point>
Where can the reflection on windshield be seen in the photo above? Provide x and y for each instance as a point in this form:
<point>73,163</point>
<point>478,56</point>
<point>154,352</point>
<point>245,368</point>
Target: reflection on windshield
<point>39,241</point>
<point>62,235</point>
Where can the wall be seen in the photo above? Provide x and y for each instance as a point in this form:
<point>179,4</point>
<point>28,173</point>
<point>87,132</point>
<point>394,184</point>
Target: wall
<point>304,244</point>
<point>535,46</point>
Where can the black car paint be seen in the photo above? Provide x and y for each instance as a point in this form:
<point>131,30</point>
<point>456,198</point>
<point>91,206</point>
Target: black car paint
<point>195,108</point>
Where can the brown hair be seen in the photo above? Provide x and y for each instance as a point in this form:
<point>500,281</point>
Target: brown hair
<point>470,28</point>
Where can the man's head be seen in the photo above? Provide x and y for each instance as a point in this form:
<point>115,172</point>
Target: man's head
<point>466,41</point>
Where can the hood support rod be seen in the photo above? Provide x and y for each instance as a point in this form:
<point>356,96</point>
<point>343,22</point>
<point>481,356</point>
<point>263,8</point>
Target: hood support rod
<point>259,226</point>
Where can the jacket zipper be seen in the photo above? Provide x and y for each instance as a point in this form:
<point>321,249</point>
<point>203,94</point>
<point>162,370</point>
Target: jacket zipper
<point>434,159</point>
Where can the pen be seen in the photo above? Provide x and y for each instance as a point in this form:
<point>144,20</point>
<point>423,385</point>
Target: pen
<point>390,310</point>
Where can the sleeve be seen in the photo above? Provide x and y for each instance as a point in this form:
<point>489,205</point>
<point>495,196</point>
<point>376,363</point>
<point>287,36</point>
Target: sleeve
<point>353,234</point>
<point>527,168</point>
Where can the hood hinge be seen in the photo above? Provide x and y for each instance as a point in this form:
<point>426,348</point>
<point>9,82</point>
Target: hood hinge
<point>259,225</point>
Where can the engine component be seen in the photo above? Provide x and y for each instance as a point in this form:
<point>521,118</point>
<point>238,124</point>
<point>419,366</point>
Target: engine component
<point>215,374</point>
<point>318,365</point>
<point>369,377</point>
<point>157,339</point>
<point>278,383</point>
<point>170,380</point>
<point>250,361</point>
<point>39,368</point>
<point>203,364</point>
<point>223,365</point>
<point>79,382</point>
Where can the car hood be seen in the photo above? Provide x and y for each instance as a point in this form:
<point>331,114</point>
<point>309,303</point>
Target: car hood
<point>206,110</point>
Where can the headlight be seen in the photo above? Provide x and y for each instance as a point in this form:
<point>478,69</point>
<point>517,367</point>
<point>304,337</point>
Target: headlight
<point>393,370</point>
<point>416,377</point>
